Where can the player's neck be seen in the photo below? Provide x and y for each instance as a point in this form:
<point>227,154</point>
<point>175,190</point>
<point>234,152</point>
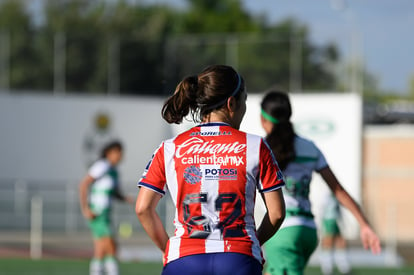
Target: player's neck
<point>218,118</point>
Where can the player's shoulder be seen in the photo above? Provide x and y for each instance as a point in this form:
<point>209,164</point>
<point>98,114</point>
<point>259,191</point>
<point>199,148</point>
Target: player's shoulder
<point>101,163</point>
<point>181,136</point>
<point>305,146</point>
<point>99,168</point>
<point>250,139</point>
<point>251,136</point>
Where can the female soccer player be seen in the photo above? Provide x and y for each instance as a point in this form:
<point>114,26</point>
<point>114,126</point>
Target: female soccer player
<point>332,242</point>
<point>288,251</point>
<point>102,183</point>
<point>212,172</point>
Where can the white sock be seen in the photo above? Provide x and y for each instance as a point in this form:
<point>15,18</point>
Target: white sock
<point>111,266</point>
<point>326,261</point>
<point>96,267</point>
<point>342,262</point>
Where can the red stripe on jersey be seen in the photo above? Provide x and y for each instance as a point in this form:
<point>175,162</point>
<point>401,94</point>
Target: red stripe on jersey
<point>154,175</point>
<point>267,172</point>
<point>192,246</point>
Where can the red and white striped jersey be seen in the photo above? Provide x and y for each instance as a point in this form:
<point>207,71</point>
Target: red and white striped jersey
<point>212,172</point>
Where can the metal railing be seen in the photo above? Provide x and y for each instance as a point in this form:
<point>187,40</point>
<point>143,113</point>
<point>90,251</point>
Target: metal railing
<point>60,206</point>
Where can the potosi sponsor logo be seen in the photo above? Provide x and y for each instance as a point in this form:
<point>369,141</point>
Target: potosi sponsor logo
<point>196,145</point>
<point>220,174</point>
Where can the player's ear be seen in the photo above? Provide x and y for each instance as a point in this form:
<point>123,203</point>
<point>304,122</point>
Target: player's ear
<point>232,104</point>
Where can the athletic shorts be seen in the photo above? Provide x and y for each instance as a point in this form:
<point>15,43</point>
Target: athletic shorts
<point>214,264</point>
<point>289,250</point>
<point>101,226</point>
<point>330,228</point>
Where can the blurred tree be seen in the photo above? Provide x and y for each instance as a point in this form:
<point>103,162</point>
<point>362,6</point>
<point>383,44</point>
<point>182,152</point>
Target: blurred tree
<point>266,55</point>
<point>289,59</point>
<point>369,83</point>
<point>113,47</point>
<point>17,37</point>
<point>411,88</point>
<point>140,33</point>
<point>78,24</point>
<point>218,16</point>
<point>147,48</point>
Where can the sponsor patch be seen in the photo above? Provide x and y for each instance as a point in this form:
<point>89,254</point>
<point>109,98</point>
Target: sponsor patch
<point>220,174</point>
<point>192,174</point>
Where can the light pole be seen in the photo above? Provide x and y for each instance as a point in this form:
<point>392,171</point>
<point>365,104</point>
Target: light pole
<point>295,61</point>
<point>59,64</point>
<point>355,74</point>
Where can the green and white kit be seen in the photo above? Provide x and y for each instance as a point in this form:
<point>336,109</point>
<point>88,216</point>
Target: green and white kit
<point>330,216</point>
<point>100,197</point>
<point>298,176</point>
<point>288,251</point>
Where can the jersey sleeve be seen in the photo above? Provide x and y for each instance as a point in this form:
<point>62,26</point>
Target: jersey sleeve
<point>270,175</point>
<point>321,162</point>
<point>154,174</point>
<point>98,169</point>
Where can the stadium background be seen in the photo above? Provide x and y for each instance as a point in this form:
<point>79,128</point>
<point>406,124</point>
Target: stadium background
<point>56,76</point>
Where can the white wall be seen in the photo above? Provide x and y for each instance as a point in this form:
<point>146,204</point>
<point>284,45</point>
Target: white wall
<point>42,137</point>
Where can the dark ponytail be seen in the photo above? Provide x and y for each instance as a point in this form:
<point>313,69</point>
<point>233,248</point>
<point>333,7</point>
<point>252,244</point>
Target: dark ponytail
<point>203,93</point>
<point>277,109</point>
<point>182,101</point>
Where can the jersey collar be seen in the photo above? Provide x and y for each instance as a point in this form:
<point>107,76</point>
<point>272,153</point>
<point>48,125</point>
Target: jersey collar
<point>210,124</point>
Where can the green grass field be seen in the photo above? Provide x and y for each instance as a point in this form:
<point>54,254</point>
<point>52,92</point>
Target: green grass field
<point>69,267</point>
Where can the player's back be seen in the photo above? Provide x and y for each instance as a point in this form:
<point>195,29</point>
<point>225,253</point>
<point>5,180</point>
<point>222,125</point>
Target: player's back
<point>211,180</point>
<point>212,172</point>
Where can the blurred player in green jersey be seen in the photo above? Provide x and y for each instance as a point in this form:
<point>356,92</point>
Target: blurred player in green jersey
<point>333,243</point>
<point>96,191</point>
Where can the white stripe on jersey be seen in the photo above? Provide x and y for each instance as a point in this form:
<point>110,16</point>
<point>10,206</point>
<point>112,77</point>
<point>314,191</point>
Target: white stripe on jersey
<point>171,175</point>
<point>214,246</point>
<point>174,245</point>
<point>252,160</point>
<point>211,187</point>
<point>170,172</point>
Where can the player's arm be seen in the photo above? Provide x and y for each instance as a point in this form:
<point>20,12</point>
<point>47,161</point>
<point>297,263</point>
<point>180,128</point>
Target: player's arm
<point>83,196</point>
<point>145,209</point>
<point>368,236</point>
<point>120,196</point>
<point>274,216</point>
